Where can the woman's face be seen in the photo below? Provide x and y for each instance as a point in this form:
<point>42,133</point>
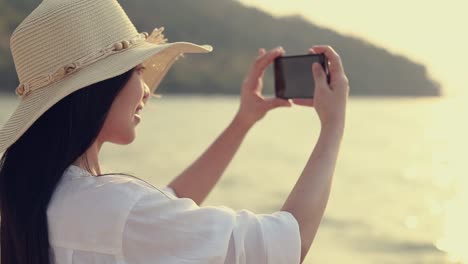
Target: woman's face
<point>119,126</point>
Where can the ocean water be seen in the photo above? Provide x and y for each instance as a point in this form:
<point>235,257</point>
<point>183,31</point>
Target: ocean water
<point>399,193</point>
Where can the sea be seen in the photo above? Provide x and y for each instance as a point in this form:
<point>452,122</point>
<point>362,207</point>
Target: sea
<point>399,193</point>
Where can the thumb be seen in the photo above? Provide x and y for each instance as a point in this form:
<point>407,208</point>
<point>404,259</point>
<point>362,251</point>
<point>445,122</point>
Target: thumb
<point>319,75</point>
<point>277,102</point>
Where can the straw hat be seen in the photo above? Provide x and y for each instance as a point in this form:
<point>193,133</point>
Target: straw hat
<point>65,45</point>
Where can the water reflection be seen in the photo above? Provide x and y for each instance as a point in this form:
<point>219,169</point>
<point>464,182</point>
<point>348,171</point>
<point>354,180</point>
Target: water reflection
<point>452,176</point>
<point>455,228</point>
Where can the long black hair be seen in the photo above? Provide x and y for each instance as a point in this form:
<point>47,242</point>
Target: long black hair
<point>31,168</point>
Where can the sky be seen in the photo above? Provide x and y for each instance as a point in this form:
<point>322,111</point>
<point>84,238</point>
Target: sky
<point>430,32</point>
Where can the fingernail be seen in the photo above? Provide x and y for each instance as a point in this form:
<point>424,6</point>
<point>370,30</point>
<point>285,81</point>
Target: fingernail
<point>316,67</point>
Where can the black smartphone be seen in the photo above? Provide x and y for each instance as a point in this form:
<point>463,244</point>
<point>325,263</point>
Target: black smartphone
<point>294,77</point>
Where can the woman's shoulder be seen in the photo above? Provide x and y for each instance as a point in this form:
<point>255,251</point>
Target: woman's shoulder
<point>76,179</point>
<point>113,190</point>
<point>85,207</point>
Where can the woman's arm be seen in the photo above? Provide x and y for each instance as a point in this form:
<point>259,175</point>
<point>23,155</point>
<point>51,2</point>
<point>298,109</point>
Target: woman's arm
<point>197,181</point>
<point>308,199</point>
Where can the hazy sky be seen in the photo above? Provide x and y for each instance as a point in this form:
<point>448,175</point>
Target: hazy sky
<point>432,32</point>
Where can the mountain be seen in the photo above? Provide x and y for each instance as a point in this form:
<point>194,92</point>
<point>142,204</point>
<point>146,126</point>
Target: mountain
<point>236,32</point>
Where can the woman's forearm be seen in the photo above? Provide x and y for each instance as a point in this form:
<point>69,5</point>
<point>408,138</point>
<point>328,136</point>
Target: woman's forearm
<point>197,181</point>
<point>308,199</point>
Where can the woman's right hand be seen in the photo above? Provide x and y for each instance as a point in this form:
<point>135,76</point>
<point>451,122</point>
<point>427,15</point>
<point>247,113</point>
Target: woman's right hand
<point>329,99</point>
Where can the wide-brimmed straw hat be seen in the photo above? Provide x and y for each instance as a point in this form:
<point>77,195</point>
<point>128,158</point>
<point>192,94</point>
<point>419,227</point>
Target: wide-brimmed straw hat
<point>65,45</point>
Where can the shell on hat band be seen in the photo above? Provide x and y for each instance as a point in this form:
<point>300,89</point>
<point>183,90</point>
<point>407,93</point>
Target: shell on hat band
<point>25,88</point>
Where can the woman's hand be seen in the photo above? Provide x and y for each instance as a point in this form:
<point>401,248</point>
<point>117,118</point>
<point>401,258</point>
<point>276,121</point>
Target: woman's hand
<point>329,99</point>
<point>253,106</point>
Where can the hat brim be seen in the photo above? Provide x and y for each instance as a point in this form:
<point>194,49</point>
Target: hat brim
<point>159,64</point>
<point>157,58</point>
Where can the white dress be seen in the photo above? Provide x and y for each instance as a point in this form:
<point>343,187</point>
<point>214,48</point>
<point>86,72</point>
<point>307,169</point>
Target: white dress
<point>120,219</point>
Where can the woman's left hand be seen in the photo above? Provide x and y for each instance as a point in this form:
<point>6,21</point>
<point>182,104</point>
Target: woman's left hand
<point>253,106</point>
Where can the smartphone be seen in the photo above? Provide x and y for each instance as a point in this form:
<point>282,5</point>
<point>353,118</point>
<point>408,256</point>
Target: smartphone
<point>294,77</point>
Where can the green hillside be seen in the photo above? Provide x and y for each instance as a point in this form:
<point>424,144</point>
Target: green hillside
<point>236,32</point>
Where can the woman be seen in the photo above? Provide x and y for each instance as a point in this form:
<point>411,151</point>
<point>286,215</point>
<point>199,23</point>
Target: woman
<point>83,85</point>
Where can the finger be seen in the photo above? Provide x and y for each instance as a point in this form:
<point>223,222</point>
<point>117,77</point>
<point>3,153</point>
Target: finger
<point>320,77</point>
<point>263,61</point>
<point>312,51</point>
<point>277,102</point>
<point>336,65</point>
<point>303,101</point>
<point>261,52</point>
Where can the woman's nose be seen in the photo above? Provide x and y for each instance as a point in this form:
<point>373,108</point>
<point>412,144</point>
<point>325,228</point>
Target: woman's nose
<point>147,93</point>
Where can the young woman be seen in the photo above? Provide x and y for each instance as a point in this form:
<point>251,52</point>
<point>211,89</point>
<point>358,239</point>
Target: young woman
<point>82,87</point>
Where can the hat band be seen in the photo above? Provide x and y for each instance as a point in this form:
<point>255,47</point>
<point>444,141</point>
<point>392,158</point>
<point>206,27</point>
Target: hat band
<point>40,81</point>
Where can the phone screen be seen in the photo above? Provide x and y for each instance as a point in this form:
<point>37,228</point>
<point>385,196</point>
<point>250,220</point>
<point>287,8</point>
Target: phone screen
<point>294,77</point>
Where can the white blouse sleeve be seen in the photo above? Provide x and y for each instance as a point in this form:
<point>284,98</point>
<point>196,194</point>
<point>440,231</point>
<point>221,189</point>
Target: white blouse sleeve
<point>160,230</point>
<point>169,190</point>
